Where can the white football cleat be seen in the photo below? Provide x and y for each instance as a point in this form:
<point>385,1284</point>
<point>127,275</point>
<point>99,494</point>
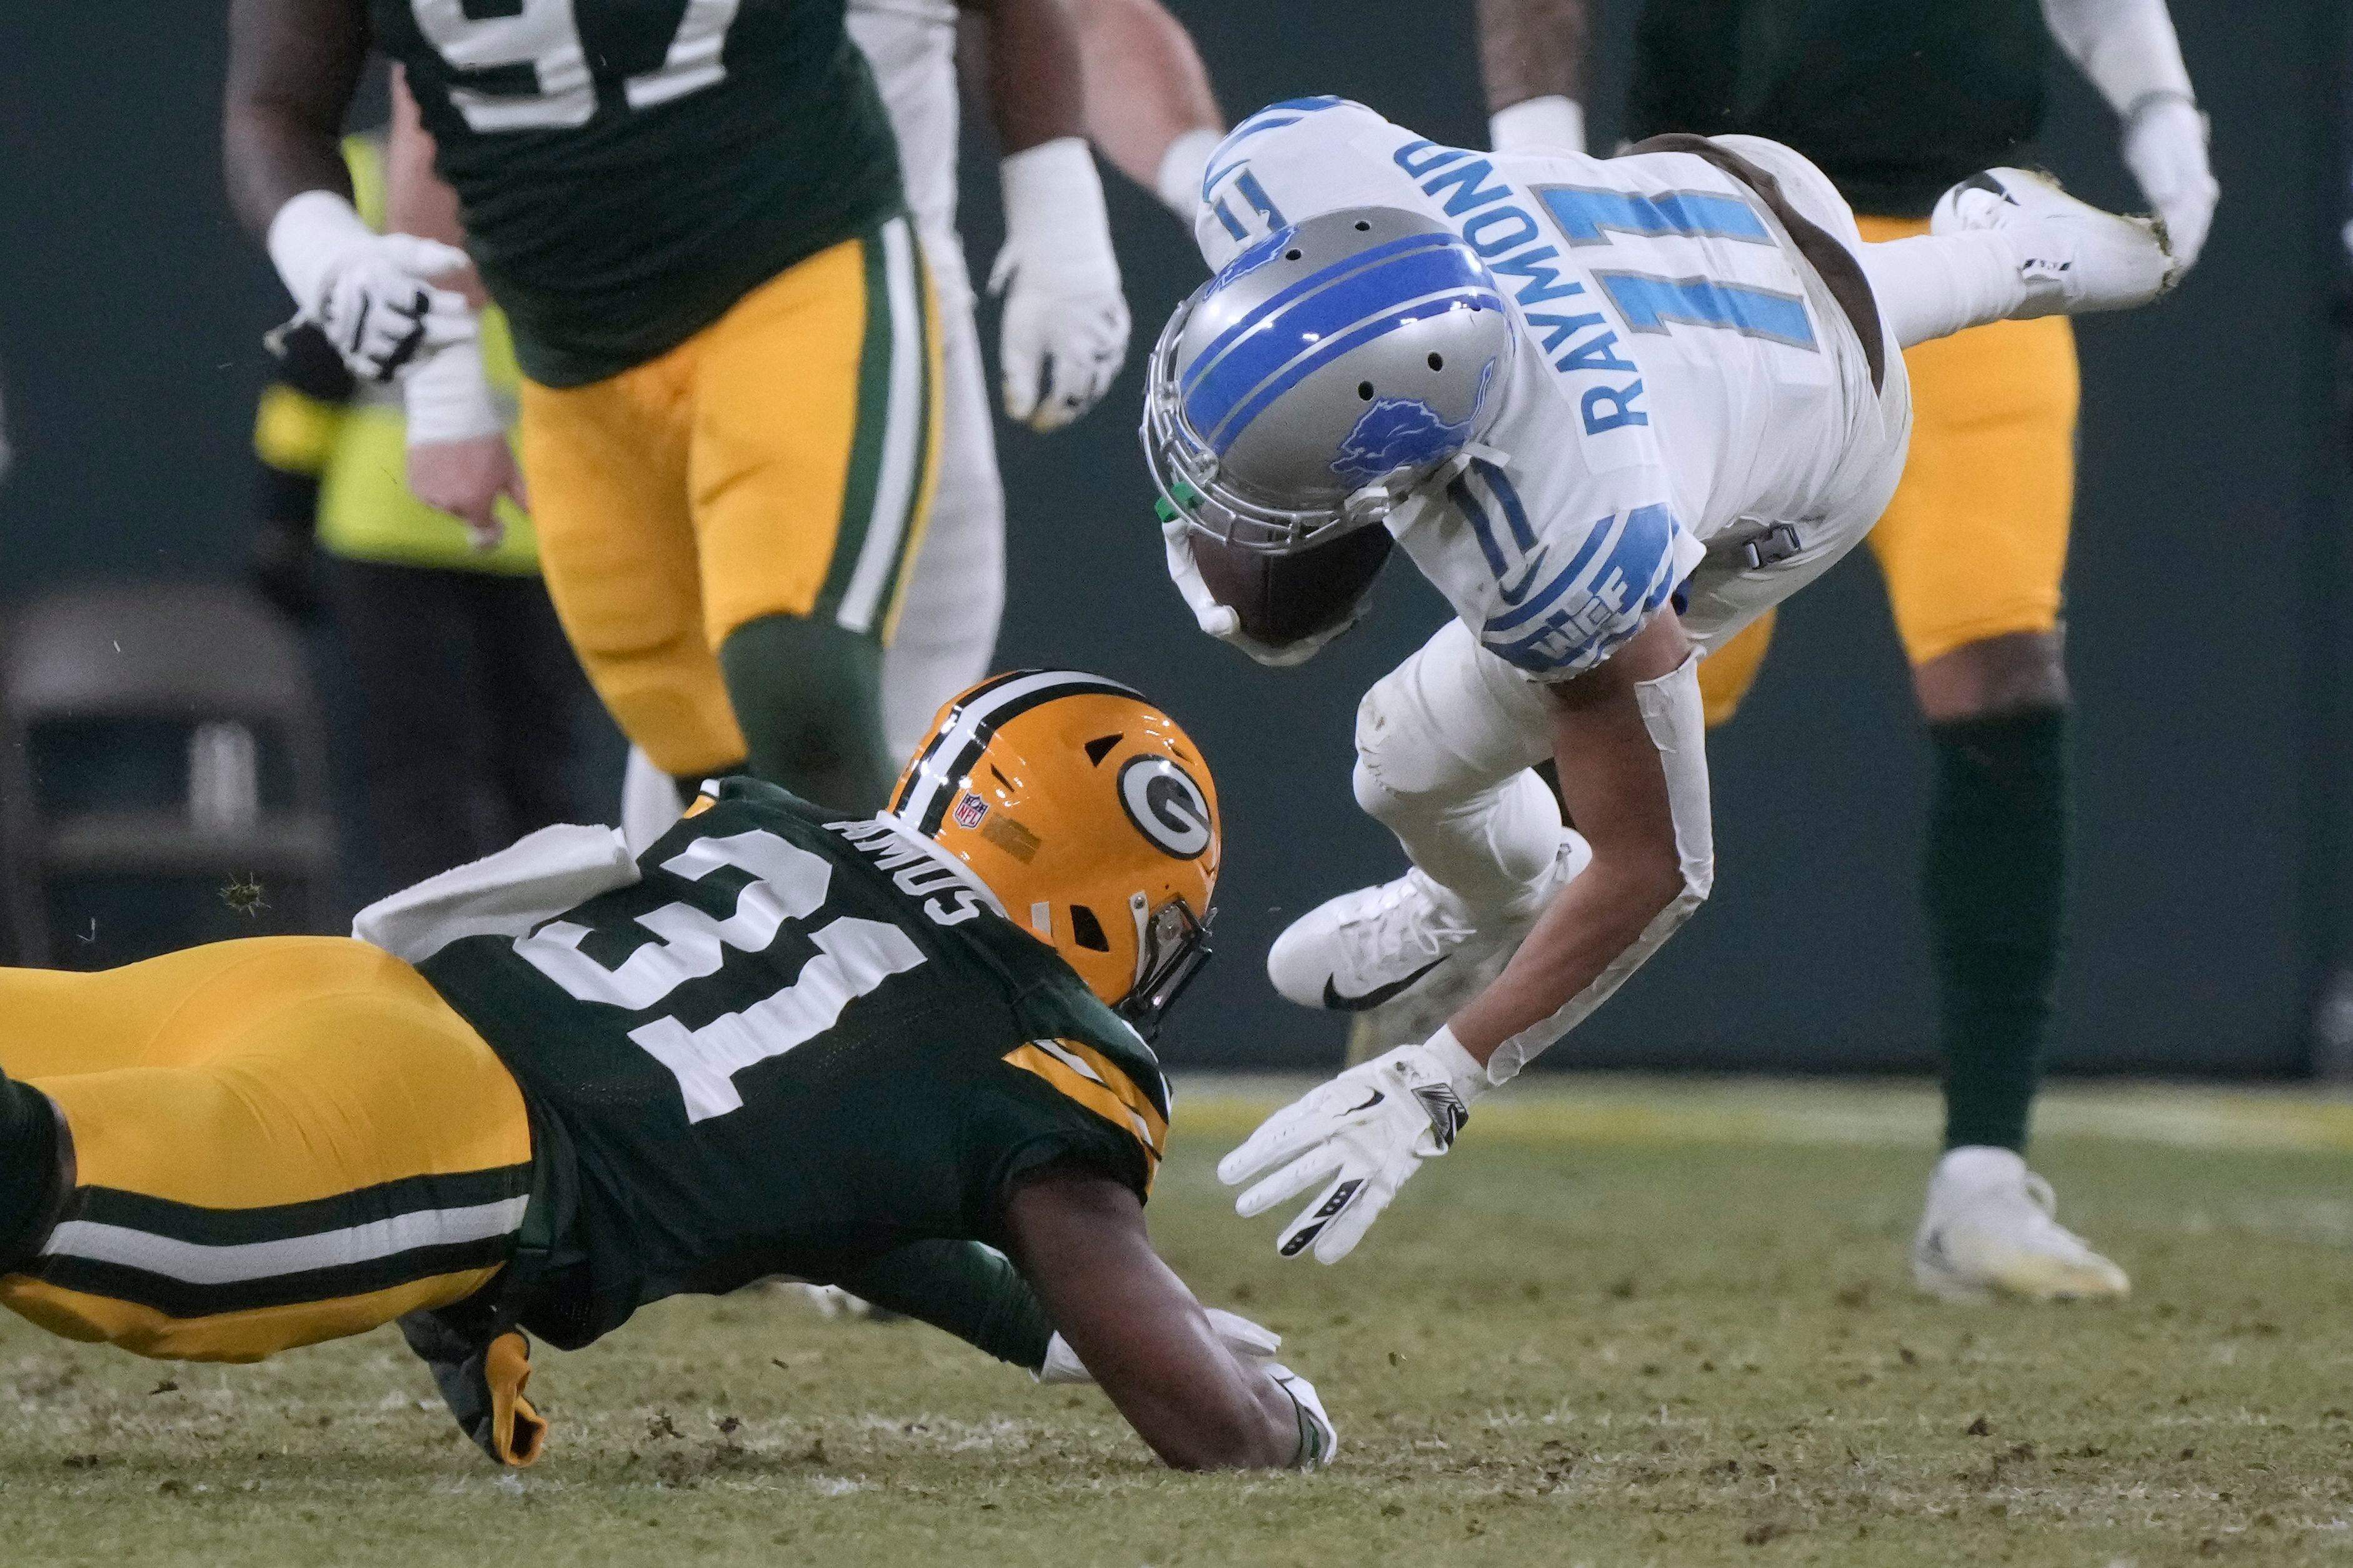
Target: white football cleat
<point>1406,939</point>
<point>2072,257</point>
<point>1988,1231</point>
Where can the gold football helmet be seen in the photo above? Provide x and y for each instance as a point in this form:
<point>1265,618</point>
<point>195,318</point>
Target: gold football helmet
<point>1092,817</point>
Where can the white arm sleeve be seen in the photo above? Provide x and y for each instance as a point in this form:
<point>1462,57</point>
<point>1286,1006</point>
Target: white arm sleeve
<point>1677,722</point>
<point>2125,47</point>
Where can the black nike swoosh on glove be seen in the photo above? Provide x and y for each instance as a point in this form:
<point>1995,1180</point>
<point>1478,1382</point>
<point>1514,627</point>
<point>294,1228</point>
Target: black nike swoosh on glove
<point>1371,999</point>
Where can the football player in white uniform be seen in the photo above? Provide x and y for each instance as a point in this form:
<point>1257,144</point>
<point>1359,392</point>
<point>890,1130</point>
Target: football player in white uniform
<point>1614,411</point>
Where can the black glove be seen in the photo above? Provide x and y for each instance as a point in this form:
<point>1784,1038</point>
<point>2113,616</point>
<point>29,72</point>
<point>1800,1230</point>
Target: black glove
<point>483,1386</point>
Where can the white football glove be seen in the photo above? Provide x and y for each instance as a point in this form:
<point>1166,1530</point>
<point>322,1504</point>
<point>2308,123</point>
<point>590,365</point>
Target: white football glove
<point>1367,1131</point>
<point>1251,1341</point>
<point>1319,1440</point>
<point>1064,331</point>
<point>2165,148</point>
<point>372,294</point>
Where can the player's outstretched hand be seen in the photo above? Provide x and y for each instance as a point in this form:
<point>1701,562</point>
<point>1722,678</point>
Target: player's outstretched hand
<point>2165,148</point>
<point>1064,331</point>
<point>1251,1341</point>
<point>1362,1134</point>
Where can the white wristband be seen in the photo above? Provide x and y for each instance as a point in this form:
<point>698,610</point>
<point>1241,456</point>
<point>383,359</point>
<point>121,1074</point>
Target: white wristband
<point>1181,168</point>
<point>448,398</point>
<point>1054,207</point>
<point>1553,121</point>
<point>312,232</point>
<point>1466,1073</point>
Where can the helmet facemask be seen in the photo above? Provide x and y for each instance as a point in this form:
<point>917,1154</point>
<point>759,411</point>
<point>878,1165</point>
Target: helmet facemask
<point>1172,947</point>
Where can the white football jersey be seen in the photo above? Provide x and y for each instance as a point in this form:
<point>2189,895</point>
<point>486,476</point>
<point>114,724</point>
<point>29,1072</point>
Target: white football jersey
<point>1679,367</point>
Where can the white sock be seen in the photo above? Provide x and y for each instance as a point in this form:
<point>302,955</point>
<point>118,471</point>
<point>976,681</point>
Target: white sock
<point>1934,285</point>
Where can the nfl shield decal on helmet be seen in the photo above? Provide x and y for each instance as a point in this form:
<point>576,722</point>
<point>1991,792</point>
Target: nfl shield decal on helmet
<point>969,809</point>
<point>1166,806</point>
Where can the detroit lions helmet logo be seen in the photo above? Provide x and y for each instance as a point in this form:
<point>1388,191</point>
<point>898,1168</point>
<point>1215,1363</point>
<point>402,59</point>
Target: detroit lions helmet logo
<point>1250,260</point>
<point>1397,433</point>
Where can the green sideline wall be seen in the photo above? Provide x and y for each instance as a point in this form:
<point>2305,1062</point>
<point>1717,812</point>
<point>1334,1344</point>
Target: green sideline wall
<point>2208,636</point>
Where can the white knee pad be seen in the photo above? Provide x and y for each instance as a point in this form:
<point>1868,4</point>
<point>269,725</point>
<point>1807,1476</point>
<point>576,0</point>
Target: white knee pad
<point>1487,847</point>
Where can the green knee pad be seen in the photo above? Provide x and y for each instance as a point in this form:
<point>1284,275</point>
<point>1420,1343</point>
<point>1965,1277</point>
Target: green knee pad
<point>809,695</point>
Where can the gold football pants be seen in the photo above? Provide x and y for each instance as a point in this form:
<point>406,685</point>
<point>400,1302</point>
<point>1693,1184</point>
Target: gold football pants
<point>273,1142</point>
<point>779,462</point>
<point>1975,543</point>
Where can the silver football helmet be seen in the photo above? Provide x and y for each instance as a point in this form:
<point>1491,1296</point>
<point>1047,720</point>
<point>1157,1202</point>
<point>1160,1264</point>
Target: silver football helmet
<point>1322,370</point>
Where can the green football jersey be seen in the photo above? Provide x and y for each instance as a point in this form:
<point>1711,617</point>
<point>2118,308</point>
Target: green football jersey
<point>629,169</point>
<point>795,1045</point>
<point>1896,100</point>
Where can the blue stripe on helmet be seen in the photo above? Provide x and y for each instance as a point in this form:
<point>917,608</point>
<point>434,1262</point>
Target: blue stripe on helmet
<point>1322,278</point>
<point>1230,428</point>
<point>1303,323</point>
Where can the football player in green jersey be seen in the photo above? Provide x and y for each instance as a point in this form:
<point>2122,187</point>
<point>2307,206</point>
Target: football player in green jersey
<point>692,214</point>
<point>1896,103</point>
<point>542,1090</point>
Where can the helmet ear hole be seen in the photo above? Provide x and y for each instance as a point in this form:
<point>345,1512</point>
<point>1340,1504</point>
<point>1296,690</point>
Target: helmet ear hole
<point>1087,930</point>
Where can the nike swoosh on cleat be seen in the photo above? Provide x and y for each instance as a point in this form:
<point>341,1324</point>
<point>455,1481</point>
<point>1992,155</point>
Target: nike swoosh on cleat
<point>1377,995</point>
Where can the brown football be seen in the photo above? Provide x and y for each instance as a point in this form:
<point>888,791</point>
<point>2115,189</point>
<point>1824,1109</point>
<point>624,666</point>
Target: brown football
<point>1284,599</point>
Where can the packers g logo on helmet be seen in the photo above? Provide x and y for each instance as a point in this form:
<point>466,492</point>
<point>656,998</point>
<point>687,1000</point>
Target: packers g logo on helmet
<point>1089,813</point>
<point>1166,806</point>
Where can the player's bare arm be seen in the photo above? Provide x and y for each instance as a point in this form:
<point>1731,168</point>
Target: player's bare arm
<point>1081,1242</point>
<point>459,461</point>
<point>1615,786</point>
<point>1065,328</point>
<point>1150,108</point>
<point>1532,61</point>
<point>293,66</point>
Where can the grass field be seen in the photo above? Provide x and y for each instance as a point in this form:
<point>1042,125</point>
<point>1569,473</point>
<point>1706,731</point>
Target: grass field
<point>1623,1323</point>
